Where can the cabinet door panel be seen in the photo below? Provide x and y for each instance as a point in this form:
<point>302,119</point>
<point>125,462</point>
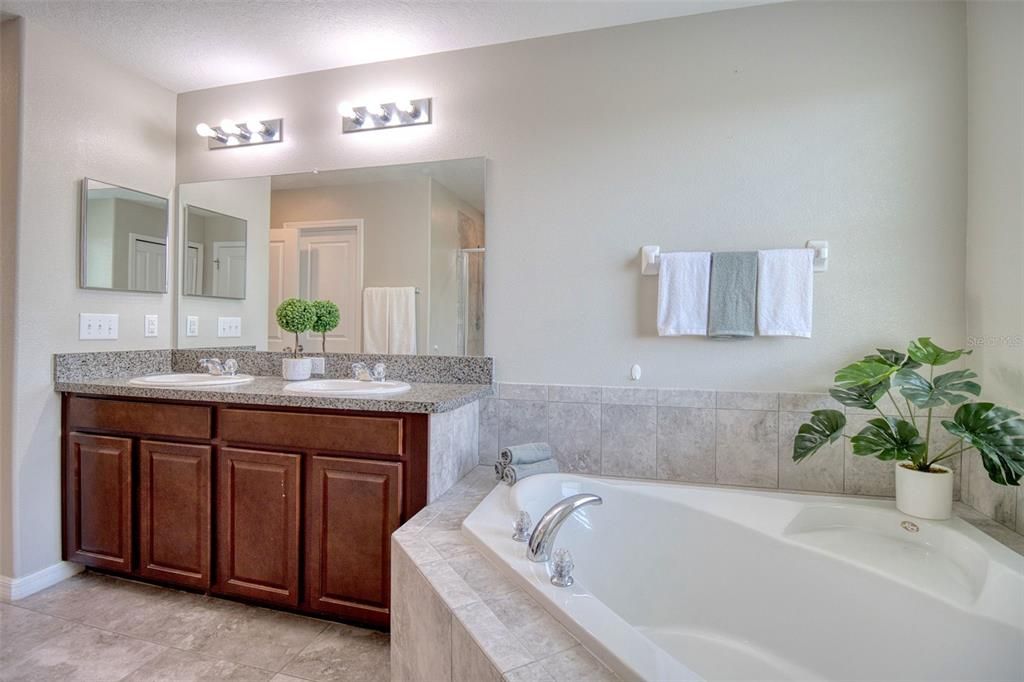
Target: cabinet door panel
<point>174,510</point>
<point>258,525</point>
<point>353,507</point>
<point>98,501</point>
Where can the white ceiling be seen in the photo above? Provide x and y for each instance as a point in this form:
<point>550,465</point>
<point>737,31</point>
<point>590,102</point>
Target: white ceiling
<point>194,44</point>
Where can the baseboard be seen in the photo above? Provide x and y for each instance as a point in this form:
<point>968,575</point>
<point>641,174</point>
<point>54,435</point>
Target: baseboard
<point>12,589</point>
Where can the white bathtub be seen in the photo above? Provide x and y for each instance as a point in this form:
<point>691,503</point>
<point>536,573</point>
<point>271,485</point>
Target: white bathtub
<point>681,582</point>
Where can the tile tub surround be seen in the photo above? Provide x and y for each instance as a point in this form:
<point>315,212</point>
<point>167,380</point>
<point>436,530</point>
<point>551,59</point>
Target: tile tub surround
<point>454,448</point>
<point>455,617</point>
<point>458,617</point>
<point>427,369</point>
<point>717,437</point>
<point>422,398</point>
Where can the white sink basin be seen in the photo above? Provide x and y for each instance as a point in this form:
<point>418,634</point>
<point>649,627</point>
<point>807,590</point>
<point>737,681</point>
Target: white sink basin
<point>189,380</point>
<point>347,387</point>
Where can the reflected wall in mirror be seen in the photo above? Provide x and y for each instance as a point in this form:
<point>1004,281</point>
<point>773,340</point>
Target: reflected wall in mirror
<point>400,250</point>
<point>213,254</point>
<point>123,239</point>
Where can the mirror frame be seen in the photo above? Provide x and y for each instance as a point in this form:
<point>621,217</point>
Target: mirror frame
<point>184,245</point>
<point>83,238</point>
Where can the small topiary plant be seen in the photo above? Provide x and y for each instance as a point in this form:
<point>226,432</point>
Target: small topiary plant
<point>327,318</point>
<point>296,316</point>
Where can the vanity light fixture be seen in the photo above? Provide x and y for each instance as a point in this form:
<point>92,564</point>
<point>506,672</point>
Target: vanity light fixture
<point>232,134</point>
<point>395,114</point>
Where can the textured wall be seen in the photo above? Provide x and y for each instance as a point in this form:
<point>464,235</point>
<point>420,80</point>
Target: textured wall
<point>752,128</point>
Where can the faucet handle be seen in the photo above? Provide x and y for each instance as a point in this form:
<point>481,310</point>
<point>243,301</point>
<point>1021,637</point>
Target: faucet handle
<point>561,568</point>
<point>522,526</point>
<point>231,367</point>
<point>379,372</point>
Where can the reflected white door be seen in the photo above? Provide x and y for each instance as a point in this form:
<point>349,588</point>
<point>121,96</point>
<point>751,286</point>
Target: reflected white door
<point>319,260</point>
<point>229,269</point>
<point>148,265</point>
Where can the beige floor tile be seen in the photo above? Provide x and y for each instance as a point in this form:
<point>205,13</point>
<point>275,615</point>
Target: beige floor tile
<point>22,630</point>
<point>175,665</point>
<point>82,654</point>
<point>342,653</point>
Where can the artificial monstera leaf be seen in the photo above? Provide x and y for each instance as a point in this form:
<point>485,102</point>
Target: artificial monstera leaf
<point>889,439</point>
<point>997,433</point>
<point>826,426</point>
<point>926,352</point>
<point>951,387</point>
<point>865,372</point>
<point>894,358</point>
<point>864,397</point>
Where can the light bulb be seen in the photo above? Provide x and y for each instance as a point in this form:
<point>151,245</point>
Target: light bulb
<point>256,127</point>
<point>407,107</point>
<point>205,130</point>
<point>229,127</point>
<point>377,111</point>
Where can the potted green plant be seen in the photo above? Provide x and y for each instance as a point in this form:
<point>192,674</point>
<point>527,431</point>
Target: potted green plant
<point>327,318</point>
<point>924,487</point>
<point>296,316</point>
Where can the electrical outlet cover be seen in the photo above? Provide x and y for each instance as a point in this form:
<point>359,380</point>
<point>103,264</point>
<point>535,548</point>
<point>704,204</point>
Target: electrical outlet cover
<point>192,325</point>
<point>318,365</point>
<point>152,325</point>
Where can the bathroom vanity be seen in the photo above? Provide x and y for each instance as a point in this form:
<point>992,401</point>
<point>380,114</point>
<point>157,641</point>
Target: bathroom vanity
<point>282,504</point>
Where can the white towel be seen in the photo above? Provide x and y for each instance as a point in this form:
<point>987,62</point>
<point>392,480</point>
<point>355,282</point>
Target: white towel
<point>389,320</point>
<point>785,288</point>
<point>375,320</point>
<point>683,283</point>
<point>402,320</point>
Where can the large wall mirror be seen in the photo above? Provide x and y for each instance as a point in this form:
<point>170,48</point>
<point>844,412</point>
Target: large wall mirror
<point>123,239</point>
<point>213,254</point>
<point>400,249</point>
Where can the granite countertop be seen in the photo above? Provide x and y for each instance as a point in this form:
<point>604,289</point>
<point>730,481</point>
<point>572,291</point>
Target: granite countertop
<point>422,397</point>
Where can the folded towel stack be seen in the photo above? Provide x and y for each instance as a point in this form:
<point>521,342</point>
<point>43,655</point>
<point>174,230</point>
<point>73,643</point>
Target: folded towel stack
<point>520,461</point>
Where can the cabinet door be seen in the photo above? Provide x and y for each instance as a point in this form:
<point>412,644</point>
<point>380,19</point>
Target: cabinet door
<point>98,501</point>
<point>257,533</point>
<point>353,507</point>
<point>174,513</point>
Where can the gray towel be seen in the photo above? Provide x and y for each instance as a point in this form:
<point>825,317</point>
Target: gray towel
<point>733,294</point>
<point>528,453</point>
<point>517,472</point>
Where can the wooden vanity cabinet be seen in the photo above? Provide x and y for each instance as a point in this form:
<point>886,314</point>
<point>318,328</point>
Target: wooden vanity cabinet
<point>286,507</point>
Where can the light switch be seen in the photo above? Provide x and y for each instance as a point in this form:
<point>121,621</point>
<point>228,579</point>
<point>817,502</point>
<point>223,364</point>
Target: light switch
<point>97,327</point>
<point>229,326</point>
<point>192,325</point>
<point>152,325</point>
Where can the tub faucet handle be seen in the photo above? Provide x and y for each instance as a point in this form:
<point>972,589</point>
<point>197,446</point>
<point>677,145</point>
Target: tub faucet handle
<point>561,568</point>
<point>522,526</point>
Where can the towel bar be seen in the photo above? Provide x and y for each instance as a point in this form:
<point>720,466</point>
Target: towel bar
<point>650,257</point>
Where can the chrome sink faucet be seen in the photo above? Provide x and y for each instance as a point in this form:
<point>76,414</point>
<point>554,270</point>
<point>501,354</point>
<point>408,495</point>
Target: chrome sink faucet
<point>362,373</point>
<point>543,537</point>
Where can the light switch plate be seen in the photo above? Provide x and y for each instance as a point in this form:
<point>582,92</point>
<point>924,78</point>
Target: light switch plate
<point>152,325</point>
<point>97,327</point>
<point>229,326</point>
<point>192,325</point>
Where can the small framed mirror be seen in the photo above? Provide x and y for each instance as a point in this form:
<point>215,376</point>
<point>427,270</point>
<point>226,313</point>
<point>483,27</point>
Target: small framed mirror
<point>123,239</point>
<point>213,254</point>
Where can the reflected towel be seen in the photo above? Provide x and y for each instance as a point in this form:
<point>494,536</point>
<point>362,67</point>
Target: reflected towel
<point>733,294</point>
<point>683,281</point>
<point>527,453</point>
<point>389,320</point>
<point>785,292</point>
<point>517,472</point>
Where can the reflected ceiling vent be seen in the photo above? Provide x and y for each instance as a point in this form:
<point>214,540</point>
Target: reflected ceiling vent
<point>232,134</point>
<point>358,118</point>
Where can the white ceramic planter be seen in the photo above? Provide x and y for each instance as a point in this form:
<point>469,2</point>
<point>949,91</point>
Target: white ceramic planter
<point>296,369</point>
<point>926,495</point>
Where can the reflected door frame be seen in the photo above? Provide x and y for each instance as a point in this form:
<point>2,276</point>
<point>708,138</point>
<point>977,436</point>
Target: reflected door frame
<point>284,257</point>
